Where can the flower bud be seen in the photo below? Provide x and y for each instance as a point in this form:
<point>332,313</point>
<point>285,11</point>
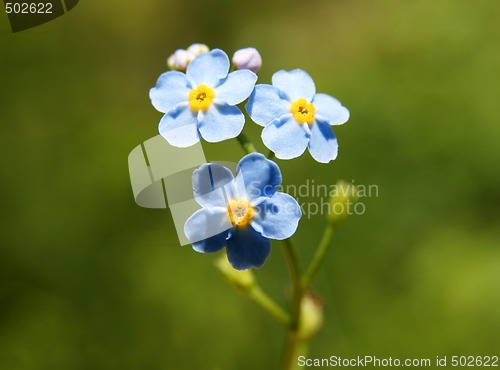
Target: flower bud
<point>342,201</point>
<point>311,316</point>
<point>244,280</point>
<point>180,60</point>
<point>248,58</point>
<point>196,49</point>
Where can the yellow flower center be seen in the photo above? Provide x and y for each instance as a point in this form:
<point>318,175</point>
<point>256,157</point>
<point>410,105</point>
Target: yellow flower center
<point>201,98</point>
<point>240,212</point>
<point>303,111</point>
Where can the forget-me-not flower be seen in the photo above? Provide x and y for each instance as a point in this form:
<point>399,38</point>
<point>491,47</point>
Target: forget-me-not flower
<point>241,213</point>
<point>295,117</point>
<point>202,102</point>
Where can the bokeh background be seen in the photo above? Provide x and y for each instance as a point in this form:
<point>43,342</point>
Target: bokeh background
<point>89,280</point>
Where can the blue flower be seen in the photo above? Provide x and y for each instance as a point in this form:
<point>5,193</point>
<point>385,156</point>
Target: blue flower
<point>241,213</point>
<point>295,117</point>
<point>201,102</point>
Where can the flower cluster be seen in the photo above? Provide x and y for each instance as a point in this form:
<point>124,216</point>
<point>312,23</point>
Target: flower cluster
<point>199,99</point>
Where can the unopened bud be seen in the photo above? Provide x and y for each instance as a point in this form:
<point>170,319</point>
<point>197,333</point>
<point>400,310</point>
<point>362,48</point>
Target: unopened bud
<point>244,280</point>
<point>311,316</point>
<point>248,58</point>
<point>180,60</point>
<point>196,49</point>
<point>342,201</point>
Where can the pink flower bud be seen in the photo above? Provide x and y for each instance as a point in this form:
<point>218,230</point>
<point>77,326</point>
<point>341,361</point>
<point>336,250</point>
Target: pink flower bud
<point>248,58</point>
<point>179,60</point>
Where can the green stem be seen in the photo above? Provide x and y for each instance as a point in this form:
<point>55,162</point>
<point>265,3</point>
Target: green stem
<point>295,272</point>
<point>297,346</point>
<point>245,143</point>
<point>319,255</point>
<point>270,155</point>
<point>290,358</point>
<point>258,295</point>
<point>293,341</point>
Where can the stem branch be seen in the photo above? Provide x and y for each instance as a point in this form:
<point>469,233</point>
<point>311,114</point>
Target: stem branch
<point>319,255</point>
<point>245,143</point>
<point>261,298</point>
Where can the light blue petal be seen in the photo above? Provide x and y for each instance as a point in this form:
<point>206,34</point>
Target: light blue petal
<point>206,223</point>
<point>261,177</point>
<point>278,217</point>
<point>295,84</point>
<point>330,109</point>
<point>171,89</point>
<point>286,138</point>
<point>208,68</point>
<point>246,248</point>
<point>236,87</point>
<point>236,189</point>
<point>179,127</point>
<point>220,122</point>
<point>323,145</point>
<point>266,104</point>
<point>212,244</point>
<point>208,184</point>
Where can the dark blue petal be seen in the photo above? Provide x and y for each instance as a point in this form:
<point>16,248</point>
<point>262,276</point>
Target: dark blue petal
<point>261,177</point>
<point>246,248</point>
<point>212,244</point>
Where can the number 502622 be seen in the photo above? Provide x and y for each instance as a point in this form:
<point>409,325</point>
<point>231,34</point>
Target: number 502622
<point>28,8</point>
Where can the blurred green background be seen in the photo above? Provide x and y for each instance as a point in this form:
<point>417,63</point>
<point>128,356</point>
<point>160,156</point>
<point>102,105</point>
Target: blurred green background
<point>89,280</point>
